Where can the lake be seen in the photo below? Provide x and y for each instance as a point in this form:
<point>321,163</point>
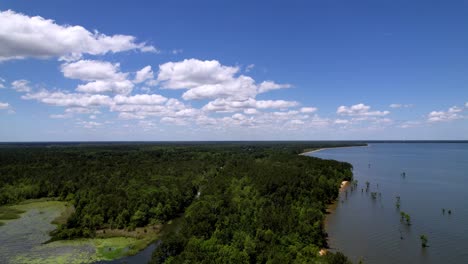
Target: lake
<point>427,177</point>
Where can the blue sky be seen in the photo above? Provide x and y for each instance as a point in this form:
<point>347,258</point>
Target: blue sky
<point>233,70</point>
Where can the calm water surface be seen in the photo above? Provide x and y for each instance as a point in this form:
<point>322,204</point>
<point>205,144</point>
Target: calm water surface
<point>370,229</point>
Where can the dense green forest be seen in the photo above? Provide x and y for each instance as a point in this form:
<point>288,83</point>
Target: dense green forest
<point>241,202</point>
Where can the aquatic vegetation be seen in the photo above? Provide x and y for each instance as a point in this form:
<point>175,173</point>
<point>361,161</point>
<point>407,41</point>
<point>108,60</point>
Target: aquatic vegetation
<point>7,213</point>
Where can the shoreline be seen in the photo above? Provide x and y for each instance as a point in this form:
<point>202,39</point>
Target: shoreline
<point>320,149</point>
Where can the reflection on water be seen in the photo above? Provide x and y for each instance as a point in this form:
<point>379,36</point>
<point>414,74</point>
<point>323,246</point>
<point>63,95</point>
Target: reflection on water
<point>434,178</point>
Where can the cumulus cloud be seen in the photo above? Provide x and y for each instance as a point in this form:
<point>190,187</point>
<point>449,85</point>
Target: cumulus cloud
<point>359,110</point>
<point>144,74</point>
<point>69,99</point>
<point>400,105</point>
<point>81,110</point>
<point>192,73</point>
<point>308,109</point>
<point>118,87</point>
<point>23,36</point>
<point>209,80</point>
<point>269,85</point>
<point>89,124</point>
<point>177,51</point>
<point>102,76</point>
<point>21,86</point>
<point>140,99</point>
<point>92,70</point>
<point>453,113</point>
<point>4,106</point>
<point>341,121</point>
<point>239,88</point>
<point>227,105</point>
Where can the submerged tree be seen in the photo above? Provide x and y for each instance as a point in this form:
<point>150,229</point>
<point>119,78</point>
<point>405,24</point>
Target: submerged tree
<point>405,217</point>
<point>397,204</point>
<point>423,241</point>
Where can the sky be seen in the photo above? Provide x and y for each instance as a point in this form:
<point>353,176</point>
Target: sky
<point>233,70</point>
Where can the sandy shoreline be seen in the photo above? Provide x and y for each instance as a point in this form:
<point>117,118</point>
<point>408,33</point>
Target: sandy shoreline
<point>320,149</point>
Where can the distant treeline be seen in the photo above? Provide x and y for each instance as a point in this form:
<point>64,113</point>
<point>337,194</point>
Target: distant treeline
<point>260,202</point>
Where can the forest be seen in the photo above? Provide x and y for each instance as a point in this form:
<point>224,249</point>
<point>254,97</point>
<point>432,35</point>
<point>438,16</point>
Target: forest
<point>241,202</point>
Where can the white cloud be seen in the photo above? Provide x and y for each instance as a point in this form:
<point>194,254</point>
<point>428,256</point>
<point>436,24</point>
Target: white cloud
<point>227,105</point>
<point>359,110</point>
<point>81,110</point>
<point>400,105</point>
<point>250,111</point>
<point>466,104</point>
<point>4,106</point>
<point>127,115</point>
<point>297,122</point>
<point>92,70</point>
<point>144,74</point>
<point>270,85</point>
<point>140,99</point>
<point>282,104</point>
<point>240,88</point>
<point>341,121</point>
<point>177,51</point>
<point>69,99</point>
<point>409,124</point>
<point>249,67</point>
<point>103,76</point>
<point>174,120</point>
<point>308,109</point>
<point>210,80</point>
<point>22,36</point>
<point>118,87</point>
<point>21,86</point>
<point>60,116</point>
<point>192,73</point>
<point>453,113</point>
<point>2,81</point>
<point>89,124</point>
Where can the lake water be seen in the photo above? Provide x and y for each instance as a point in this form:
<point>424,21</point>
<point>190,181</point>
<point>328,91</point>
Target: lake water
<point>436,176</point>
